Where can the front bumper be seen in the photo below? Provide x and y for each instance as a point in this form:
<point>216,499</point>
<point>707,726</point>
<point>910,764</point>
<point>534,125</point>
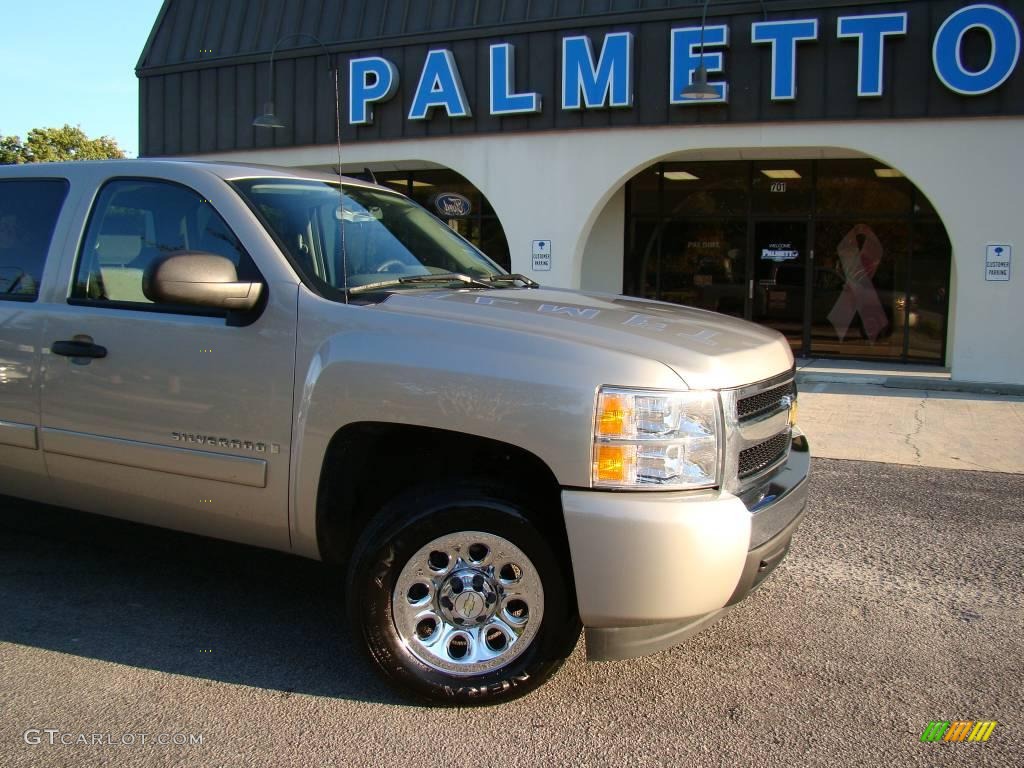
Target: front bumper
<point>653,568</point>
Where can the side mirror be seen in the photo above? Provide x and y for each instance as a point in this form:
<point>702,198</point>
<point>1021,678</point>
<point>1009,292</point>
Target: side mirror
<point>199,279</point>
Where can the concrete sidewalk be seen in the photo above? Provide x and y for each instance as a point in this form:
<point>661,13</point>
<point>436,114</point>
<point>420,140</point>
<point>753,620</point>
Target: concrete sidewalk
<point>857,411</point>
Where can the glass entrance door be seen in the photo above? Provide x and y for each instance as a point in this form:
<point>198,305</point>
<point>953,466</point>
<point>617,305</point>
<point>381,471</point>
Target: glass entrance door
<point>779,286</point>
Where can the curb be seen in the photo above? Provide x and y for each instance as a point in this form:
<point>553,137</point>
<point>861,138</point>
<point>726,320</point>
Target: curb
<point>913,382</point>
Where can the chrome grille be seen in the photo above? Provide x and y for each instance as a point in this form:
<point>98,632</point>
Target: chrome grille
<point>757,430</point>
<point>763,455</point>
<point>763,402</point>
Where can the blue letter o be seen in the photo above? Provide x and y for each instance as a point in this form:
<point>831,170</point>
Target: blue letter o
<point>1005,40</point>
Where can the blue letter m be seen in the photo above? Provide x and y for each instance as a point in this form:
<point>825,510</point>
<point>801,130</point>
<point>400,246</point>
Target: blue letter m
<point>609,83</point>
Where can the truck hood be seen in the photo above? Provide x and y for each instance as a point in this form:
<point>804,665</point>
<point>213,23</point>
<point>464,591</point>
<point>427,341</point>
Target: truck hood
<point>707,350</point>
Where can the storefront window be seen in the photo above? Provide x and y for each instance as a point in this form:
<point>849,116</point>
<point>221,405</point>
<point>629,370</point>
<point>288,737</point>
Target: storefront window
<point>855,187</point>
<point>845,257</point>
<point>643,258</point>
<point>426,185</point>
<point>481,227</point>
<point>859,291</point>
<point>704,189</point>
<point>929,291</point>
<point>702,264</point>
<point>922,205</point>
<point>644,193</point>
<point>782,187</point>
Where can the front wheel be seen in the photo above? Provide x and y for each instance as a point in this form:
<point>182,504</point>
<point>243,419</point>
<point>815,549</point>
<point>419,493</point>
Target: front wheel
<point>459,599</point>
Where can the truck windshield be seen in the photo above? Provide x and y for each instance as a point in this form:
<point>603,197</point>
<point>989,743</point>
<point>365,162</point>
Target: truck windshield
<point>386,237</point>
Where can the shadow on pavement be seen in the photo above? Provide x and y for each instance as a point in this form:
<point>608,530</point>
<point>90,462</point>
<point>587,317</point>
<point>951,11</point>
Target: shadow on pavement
<point>131,594</point>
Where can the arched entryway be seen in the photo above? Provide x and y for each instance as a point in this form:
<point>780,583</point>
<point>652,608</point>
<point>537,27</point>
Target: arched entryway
<point>844,256</point>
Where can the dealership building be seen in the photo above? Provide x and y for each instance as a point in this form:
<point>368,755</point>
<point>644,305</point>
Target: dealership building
<point>849,173</point>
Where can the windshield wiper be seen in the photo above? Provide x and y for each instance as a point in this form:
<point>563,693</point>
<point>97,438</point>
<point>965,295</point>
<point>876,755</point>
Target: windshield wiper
<point>514,278</point>
<point>447,277</point>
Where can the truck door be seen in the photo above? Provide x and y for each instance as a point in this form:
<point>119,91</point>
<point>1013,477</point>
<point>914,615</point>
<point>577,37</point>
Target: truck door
<point>170,415</point>
<point>29,209</point>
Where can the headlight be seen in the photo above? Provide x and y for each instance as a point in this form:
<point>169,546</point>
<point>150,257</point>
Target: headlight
<point>651,439</point>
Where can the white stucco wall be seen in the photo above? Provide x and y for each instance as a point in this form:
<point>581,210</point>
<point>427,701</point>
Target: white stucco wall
<point>602,254</point>
<point>556,185</point>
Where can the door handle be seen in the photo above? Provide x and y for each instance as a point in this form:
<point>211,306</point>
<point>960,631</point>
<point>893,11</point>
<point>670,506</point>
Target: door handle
<point>78,349</point>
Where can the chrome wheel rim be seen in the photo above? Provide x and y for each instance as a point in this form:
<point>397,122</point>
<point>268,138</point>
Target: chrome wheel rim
<point>468,603</point>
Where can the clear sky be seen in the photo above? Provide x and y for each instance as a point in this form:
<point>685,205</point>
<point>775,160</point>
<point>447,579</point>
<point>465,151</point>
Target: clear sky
<point>73,61</point>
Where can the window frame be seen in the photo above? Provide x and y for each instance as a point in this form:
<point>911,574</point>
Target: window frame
<point>155,308</point>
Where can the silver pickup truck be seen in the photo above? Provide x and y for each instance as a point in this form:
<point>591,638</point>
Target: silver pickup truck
<point>265,356</point>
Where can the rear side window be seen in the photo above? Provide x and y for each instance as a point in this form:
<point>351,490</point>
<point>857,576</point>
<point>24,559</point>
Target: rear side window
<point>135,222</point>
<point>28,214</point>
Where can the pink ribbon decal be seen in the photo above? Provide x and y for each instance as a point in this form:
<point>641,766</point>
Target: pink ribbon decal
<point>859,294</point>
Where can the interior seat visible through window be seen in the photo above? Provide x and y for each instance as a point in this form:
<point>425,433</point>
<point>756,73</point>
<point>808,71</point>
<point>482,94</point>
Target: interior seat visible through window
<point>118,253</point>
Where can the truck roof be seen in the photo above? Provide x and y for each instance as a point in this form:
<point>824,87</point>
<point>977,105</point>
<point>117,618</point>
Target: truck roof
<point>225,170</point>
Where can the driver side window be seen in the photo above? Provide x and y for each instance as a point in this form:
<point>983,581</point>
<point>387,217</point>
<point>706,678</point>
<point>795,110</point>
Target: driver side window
<point>136,222</point>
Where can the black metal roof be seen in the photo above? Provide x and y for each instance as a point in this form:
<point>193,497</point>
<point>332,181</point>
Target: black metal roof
<point>191,31</point>
<point>204,73</point>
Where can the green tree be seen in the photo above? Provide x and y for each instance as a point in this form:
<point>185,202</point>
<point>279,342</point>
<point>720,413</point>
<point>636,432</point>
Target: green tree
<point>11,150</point>
<point>50,145</point>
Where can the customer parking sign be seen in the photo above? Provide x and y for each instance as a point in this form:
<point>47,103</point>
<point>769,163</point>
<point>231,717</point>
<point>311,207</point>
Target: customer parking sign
<point>997,262</point>
<point>541,255</point>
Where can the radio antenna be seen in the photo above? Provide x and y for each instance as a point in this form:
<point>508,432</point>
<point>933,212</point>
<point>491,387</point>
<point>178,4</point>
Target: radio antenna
<point>341,190</point>
<point>270,120</point>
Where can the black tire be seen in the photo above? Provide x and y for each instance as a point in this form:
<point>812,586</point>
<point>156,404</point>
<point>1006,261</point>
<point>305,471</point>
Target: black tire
<point>404,527</point>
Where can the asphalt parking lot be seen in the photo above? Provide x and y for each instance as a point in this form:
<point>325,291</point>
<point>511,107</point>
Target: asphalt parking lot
<point>901,602</point>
